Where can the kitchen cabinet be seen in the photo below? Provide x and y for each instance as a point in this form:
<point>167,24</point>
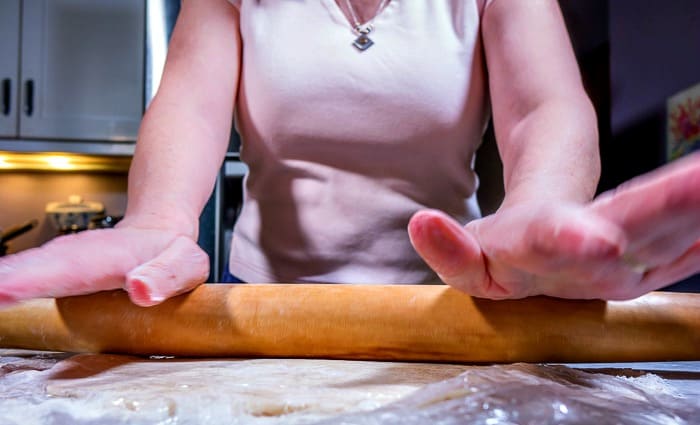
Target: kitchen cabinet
<point>9,69</point>
<point>72,69</point>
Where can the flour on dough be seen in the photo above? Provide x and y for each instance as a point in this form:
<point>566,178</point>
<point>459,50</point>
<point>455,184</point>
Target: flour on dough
<point>109,390</point>
<point>536,394</point>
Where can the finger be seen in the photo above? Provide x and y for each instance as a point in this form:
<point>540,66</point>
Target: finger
<point>661,206</point>
<point>686,265</point>
<point>6,301</point>
<point>665,250</point>
<point>675,183</point>
<point>179,268</point>
<point>69,265</point>
<point>452,253</point>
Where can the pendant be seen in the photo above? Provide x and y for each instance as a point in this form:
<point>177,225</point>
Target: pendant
<point>363,42</point>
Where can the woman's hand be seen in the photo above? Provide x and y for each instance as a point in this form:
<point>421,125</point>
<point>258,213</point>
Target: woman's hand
<point>182,141</point>
<point>642,236</point>
<point>150,264</point>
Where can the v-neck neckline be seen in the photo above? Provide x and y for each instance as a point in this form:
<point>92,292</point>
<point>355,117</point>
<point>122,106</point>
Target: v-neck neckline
<point>341,14</point>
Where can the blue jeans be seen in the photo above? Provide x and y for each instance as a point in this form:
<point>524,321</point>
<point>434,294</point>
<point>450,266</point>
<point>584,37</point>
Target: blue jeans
<point>227,277</point>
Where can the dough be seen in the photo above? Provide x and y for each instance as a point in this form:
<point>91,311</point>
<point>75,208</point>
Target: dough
<point>536,394</point>
<point>109,389</point>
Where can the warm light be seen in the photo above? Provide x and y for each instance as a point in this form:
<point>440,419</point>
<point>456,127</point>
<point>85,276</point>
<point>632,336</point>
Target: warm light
<point>20,161</point>
<point>59,162</point>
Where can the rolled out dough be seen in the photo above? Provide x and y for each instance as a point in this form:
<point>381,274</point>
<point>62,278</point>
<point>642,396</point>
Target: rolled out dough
<point>114,389</point>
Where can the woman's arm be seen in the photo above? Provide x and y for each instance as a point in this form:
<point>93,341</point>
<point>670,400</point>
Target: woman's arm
<point>185,132</point>
<point>545,124</point>
<point>547,137</point>
<point>153,252</point>
<point>547,237</point>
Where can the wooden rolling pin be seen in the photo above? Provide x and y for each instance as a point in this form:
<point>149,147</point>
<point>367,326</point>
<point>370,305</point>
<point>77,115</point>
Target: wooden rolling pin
<point>392,322</point>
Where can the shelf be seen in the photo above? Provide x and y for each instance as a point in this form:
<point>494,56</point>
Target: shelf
<point>68,146</point>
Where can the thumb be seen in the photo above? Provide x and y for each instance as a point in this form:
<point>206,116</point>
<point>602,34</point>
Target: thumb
<point>179,268</point>
<point>452,252</point>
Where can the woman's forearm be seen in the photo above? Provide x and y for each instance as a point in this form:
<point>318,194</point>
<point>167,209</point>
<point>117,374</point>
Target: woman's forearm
<point>545,124</point>
<point>552,153</point>
<point>174,168</point>
<point>185,132</point>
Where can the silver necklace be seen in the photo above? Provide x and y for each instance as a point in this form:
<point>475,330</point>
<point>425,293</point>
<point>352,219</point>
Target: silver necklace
<point>363,42</point>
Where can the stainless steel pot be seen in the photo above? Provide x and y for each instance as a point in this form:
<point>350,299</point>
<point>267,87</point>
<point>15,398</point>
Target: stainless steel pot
<point>75,215</point>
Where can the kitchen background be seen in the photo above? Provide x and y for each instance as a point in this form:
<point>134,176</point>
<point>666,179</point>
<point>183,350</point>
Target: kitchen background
<point>76,75</point>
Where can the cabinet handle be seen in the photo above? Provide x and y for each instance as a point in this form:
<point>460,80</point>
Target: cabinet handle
<point>29,97</point>
<point>6,96</point>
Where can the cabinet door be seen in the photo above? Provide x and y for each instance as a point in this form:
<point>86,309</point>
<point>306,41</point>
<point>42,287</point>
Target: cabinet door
<point>9,66</point>
<point>82,69</point>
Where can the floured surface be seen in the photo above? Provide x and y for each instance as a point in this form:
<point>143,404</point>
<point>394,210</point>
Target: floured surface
<point>537,394</point>
<point>105,389</point>
<point>110,389</point>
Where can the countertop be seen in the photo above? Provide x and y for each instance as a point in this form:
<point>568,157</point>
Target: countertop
<point>683,375</point>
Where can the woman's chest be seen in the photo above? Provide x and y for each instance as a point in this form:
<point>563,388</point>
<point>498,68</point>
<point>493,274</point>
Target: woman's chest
<point>299,61</point>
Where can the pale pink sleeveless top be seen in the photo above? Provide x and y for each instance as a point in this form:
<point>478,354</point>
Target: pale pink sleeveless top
<point>344,146</point>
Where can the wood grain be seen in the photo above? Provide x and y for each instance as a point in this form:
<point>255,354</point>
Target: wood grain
<point>382,322</point>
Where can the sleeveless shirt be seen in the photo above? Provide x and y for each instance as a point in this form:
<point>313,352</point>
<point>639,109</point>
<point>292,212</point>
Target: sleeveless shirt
<point>344,146</point>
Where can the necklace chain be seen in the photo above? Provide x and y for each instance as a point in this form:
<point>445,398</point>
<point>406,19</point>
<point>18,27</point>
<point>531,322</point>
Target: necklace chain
<point>367,26</point>
<point>363,42</point>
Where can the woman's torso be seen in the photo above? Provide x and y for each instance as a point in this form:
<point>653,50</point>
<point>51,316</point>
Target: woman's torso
<point>344,146</point>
